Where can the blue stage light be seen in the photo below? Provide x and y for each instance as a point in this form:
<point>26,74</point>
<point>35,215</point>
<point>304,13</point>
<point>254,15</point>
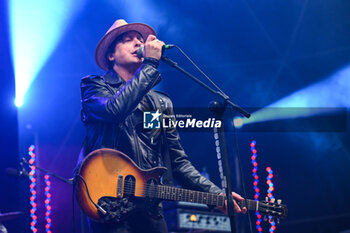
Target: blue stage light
<point>316,99</point>
<point>36,27</point>
<point>238,122</point>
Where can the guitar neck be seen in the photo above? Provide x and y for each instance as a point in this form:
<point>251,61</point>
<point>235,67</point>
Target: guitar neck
<point>178,194</point>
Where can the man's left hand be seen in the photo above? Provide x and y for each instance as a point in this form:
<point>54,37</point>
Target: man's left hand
<point>236,207</point>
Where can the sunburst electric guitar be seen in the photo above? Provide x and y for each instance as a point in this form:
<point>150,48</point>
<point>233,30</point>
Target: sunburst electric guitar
<point>110,186</point>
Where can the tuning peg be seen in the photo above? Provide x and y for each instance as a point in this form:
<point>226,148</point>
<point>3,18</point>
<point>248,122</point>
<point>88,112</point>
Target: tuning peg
<point>267,199</point>
<point>273,200</point>
<point>279,201</point>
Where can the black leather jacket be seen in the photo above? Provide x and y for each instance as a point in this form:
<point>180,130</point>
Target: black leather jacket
<point>112,111</point>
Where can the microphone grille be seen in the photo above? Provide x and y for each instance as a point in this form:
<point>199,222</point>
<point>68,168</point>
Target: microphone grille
<point>140,52</point>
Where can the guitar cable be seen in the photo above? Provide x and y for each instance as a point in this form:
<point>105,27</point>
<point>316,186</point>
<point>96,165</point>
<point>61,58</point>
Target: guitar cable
<point>73,200</point>
<point>104,212</point>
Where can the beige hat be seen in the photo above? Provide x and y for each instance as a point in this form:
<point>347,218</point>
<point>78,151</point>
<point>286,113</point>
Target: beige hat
<point>119,27</point>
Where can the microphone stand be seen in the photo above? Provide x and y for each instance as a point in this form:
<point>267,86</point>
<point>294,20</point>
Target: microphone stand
<point>68,181</point>
<point>219,109</point>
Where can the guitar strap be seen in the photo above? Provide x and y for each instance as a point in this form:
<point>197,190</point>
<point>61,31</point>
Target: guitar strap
<point>168,175</point>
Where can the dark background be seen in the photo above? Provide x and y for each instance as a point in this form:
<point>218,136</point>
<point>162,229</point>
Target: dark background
<point>258,52</point>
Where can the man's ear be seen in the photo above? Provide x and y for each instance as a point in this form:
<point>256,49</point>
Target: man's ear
<point>110,57</point>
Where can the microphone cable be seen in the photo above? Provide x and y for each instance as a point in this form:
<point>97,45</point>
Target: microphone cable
<point>192,62</point>
<point>238,154</point>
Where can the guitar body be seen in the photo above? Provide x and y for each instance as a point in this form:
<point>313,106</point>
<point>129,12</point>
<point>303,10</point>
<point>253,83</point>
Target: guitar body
<point>105,172</point>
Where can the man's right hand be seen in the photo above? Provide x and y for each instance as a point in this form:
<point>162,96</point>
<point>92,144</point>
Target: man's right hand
<point>153,47</point>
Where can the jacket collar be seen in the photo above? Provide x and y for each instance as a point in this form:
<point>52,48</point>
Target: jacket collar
<point>112,78</point>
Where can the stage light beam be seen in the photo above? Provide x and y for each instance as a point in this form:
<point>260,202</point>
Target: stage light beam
<point>238,122</point>
<point>35,28</point>
<point>319,98</point>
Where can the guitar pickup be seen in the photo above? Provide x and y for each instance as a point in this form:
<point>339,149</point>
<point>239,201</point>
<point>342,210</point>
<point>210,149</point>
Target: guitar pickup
<point>120,186</point>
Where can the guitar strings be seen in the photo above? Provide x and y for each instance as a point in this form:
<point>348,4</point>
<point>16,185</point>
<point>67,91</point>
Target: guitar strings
<point>129,188</point>
<point>154,190</point>
<point>155,187</point>
<point>185,192</point>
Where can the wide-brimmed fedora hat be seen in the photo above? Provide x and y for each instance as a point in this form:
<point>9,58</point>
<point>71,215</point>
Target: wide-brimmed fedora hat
<point>119,27</point>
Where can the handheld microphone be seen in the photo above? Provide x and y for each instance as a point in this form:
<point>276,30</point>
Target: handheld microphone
<point>140,50</point>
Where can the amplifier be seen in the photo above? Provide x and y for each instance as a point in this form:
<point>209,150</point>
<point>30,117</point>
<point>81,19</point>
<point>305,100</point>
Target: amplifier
<point>196,219</point>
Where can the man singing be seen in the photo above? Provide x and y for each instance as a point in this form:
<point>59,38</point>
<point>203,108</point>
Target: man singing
<point>112,111</point>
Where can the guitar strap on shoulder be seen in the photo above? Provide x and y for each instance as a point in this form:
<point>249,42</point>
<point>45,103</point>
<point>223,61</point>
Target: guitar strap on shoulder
<point>168,175</point>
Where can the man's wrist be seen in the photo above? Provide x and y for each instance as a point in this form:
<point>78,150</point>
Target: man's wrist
<point>151,61</point>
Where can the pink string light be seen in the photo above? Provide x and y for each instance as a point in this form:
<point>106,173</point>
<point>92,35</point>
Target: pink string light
<point>256,182</point>
<point>32,189</point>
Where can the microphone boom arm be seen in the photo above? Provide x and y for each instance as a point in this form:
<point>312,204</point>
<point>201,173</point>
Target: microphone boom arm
<point>222,95</point>
<point>68,181</point>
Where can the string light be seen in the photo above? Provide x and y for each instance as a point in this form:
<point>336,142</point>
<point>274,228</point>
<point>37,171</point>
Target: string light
<point>256,182</point>
<point>270,195</point>
<point>47,204</point>
<point>32,189</point>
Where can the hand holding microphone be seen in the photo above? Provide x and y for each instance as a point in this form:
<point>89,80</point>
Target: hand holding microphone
<point>152,48</point>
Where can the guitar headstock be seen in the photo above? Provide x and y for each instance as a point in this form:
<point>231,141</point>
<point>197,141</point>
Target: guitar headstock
<point>273,208</point>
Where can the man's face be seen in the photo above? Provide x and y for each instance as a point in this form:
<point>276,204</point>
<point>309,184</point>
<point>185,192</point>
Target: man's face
<point>125,50</point>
